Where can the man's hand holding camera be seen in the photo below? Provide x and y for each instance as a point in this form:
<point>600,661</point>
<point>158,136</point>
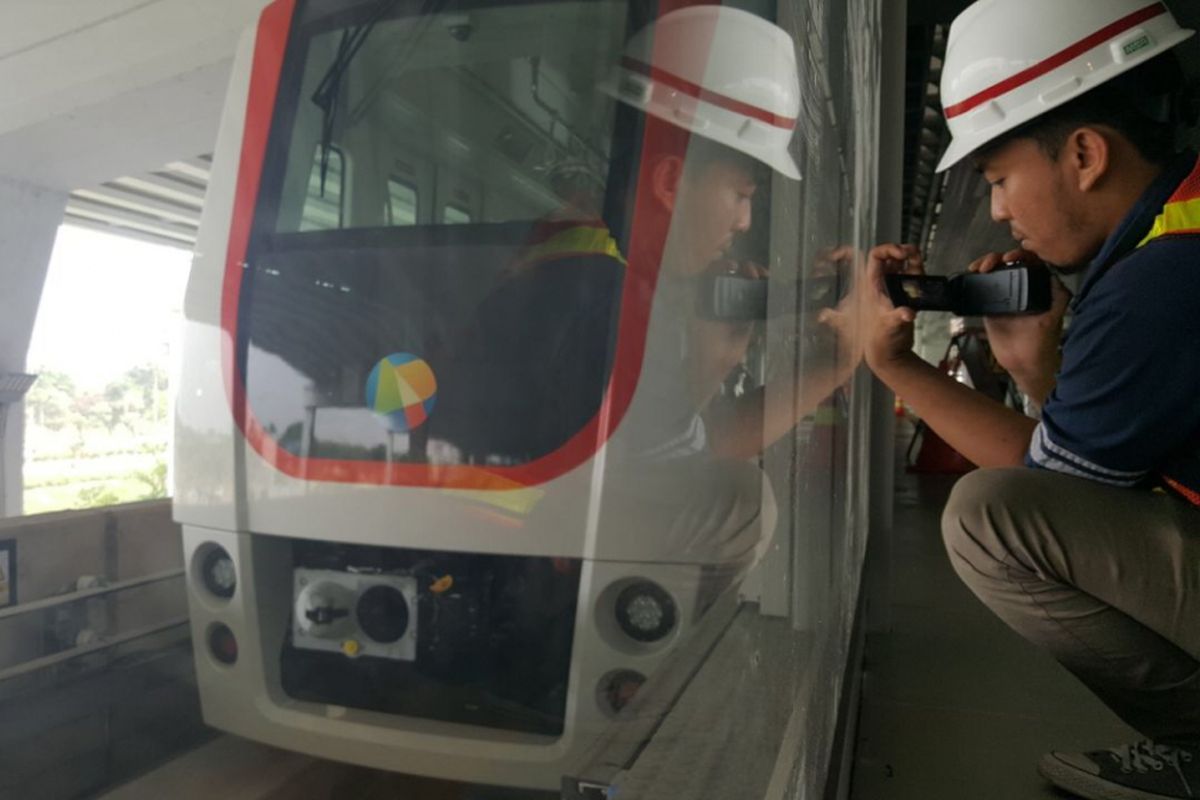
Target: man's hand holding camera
<point>986,432</point>
<point>1026,346</point>
<point>889,330</point>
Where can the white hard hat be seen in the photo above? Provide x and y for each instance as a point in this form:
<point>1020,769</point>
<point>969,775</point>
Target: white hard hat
<point>1009,61</point>
<point>723,73</point>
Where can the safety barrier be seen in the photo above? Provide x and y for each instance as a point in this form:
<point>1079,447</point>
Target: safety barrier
<point>95,659</point>
<point>83,581</point>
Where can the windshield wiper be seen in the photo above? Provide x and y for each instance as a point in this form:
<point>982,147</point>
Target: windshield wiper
<point>330,88</point>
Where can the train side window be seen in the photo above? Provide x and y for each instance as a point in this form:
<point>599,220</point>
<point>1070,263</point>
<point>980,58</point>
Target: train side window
<point>455,215</point>
<point>323,206</point>
<point>402,202</point>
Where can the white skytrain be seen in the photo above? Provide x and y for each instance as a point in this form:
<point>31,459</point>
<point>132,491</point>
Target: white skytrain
<point>444,489</point>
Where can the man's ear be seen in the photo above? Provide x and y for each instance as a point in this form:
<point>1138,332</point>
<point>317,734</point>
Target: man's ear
<point>665,177</point>
<point>1089,156</point>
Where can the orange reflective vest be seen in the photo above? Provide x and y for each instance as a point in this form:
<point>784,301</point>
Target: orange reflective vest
<point>1180,217</point>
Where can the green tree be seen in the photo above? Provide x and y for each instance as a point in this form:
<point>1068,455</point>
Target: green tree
<point>49,400</point>
<point>154,479</point>
<point>96,497</point>
<point>87,410</point>
<point>121,406</point>
<point>151,381</point>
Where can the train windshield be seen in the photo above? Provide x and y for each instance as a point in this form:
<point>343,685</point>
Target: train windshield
<point>470,115</point>
<point>437,176</point>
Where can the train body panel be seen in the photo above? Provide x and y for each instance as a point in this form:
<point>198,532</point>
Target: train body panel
<point>247,698</point>
<point>208,444</point>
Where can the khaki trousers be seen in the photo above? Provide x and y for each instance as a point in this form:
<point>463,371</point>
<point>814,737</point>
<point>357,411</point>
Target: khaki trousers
<point>1107,580</point>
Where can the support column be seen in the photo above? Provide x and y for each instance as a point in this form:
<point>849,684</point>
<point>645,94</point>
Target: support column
<point>28,226</point>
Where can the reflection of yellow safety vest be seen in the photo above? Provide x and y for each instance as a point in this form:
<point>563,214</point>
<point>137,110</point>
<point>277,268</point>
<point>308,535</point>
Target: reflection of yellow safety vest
<point>556,240</point>
<point>1180,217</point>
<point>551,240</point>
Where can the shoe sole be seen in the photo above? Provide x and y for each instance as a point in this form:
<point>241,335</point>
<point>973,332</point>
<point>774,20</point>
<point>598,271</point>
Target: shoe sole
<point>1091,787</point>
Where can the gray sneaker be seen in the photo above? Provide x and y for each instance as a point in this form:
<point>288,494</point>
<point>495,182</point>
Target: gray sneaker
<point>1142,771</point>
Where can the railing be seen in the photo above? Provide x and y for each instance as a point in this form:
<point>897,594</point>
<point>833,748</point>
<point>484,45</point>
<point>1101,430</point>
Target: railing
<point>34,664</point>
<point>87,594</point>
<point>111,543</point>
<point>82,713</point>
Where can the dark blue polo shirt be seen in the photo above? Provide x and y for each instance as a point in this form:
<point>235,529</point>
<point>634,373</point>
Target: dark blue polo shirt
<point>1126,407</point>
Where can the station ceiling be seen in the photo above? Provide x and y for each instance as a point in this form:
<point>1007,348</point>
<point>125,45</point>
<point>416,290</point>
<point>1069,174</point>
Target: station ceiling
<point>91,90</point>
<point>95,89</point>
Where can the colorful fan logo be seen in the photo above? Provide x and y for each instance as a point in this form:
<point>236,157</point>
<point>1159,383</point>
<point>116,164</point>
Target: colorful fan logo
<point>402,390</point>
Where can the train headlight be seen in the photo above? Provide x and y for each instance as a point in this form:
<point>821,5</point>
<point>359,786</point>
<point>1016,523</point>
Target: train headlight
<point>645,612</point>
<point>218,573</point>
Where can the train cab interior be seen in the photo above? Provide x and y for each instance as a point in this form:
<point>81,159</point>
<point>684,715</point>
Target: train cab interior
<point>463,143</point>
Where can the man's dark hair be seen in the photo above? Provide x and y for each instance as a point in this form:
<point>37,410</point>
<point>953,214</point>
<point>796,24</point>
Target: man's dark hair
<point>1142,105</point>
<point>697,151</point>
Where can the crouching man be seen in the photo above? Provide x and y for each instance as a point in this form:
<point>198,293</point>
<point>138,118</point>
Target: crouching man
<point>1082,530</point>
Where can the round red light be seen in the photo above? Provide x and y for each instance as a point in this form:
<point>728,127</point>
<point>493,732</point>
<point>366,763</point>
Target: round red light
<point>222,644</point>
<point>618,687</point>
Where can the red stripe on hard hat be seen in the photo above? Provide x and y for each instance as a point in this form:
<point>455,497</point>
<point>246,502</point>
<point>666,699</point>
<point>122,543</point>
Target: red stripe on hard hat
<point>713,98</point>
<point>1057,60</point>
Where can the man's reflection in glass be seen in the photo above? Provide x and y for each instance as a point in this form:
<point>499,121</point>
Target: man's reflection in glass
<point>718,92</point>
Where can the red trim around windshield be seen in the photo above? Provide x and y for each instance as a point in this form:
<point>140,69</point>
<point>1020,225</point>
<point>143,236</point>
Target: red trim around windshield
<point>270,46</point>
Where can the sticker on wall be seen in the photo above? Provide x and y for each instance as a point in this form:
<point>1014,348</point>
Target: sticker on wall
<point>402,391</point>
<point>8,573</point>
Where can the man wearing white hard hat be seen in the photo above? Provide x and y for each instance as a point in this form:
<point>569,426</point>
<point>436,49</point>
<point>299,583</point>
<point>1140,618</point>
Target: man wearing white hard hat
<point>1082,532</point>
<point>720,90</point>
<point>717,96</point>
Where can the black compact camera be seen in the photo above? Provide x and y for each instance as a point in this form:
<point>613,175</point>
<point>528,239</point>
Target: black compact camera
<point>737,298</point>
<point>1017,288</point>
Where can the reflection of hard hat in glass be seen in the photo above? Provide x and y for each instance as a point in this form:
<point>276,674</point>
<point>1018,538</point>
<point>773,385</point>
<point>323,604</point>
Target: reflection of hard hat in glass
<point>578,183</point>
<point>567,174</point>
<point>1010,61</point>
<point>723,73</point>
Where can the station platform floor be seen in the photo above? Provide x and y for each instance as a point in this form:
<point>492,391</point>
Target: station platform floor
<point>955,706</point>
<point>231,768</point>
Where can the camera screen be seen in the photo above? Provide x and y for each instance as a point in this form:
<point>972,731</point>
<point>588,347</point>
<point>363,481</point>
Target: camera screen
<point>923,291</point>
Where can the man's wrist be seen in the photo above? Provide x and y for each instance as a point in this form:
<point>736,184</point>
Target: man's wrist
<point>890,368</point>
<point>1037,382</point>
